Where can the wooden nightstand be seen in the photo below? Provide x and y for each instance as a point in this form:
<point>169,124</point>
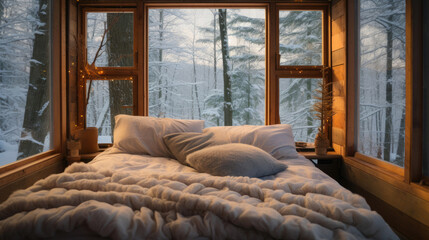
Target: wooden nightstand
<point>329,163</point>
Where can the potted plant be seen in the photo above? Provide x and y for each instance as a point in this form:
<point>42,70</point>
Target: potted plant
<point>323,112</point>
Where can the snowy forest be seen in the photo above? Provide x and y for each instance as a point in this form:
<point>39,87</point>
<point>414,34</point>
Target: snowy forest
<point>210,64</point>
<point>203,64</point>
<point>382,80</point>
<point>25,111</point>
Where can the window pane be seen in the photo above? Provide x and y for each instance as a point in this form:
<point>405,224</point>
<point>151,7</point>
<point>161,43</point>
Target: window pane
<point>300,37</point>
<point>207,64</point>
<point>25,79</point>
<point>110,39</point>
<point>296,102</point>
<point>382,80</point>
<point>107,99</point>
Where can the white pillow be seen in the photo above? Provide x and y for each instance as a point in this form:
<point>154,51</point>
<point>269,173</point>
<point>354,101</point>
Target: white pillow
<point>183,144</point>
<point>275,139</point>
<point>143,135</point>
<point>235,159</point>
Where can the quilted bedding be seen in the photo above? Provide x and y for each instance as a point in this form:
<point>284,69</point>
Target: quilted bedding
<point>124,196</point>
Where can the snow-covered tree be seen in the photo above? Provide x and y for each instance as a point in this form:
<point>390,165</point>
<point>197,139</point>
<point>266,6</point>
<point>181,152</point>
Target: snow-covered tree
<point>37,117</point>
<point>194,63</point>
<point>382,81</point>
<point>19,21</point>
<point>164,64</point>
<point>248,69</point>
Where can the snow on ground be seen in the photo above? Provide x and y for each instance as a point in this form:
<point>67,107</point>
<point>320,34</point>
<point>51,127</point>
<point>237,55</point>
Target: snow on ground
<point>9,154</point>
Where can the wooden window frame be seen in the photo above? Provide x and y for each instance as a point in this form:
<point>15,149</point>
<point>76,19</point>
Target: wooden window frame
<point>411,173</point>
<point>129,73</point>
<point>16,170</point>
<point>272,72</point>
<point>302,71</point>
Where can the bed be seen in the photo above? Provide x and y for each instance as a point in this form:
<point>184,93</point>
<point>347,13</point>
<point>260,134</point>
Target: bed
<point>147,186</point>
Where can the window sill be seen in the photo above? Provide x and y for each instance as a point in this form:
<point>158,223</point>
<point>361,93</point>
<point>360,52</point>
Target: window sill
<point>389,177</point>
<point>15,171</point>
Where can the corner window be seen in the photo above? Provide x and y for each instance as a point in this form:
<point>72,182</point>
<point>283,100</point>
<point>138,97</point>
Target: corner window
<point>25,79</point>
<point>382,80</point>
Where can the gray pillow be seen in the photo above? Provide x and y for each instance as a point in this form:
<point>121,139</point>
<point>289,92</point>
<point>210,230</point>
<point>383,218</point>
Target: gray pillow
<point>235,159</point>
<point>184,143</point>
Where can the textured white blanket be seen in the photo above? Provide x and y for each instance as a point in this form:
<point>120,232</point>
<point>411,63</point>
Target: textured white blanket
<point>151,204</point>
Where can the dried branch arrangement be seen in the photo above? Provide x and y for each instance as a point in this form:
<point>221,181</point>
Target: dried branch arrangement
<point>323,111</point>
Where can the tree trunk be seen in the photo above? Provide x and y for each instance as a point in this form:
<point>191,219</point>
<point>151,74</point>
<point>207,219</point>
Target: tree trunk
<point>160,58</point>
<point>215,57</point>
<point>120,53</point>
<point>227,107</point>
<point>248,90</point>
<point>309,118</point>
<point>400,151</point>
<point>389,62</point>
<point>214,53</point>
<point>37,116</point>
<point>195,76</point>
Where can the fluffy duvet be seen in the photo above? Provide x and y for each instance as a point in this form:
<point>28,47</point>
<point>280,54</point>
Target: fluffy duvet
<point>187,205</point>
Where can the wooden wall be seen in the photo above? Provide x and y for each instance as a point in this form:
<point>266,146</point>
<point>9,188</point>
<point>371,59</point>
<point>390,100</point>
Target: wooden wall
<point>339,74</point>
<point>28,177</point>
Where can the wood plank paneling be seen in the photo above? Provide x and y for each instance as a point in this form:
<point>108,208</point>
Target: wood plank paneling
<point>30,179</point>
<point>338,9</point>
<point>339,104</point>
<point>338,120</point>
<point>338,136</point>
<point>394,192</point>
<point>338,75</point>
<point>338,57</point>
<point>339,81</point>
<point>413,229</point>
<point>338,33</point>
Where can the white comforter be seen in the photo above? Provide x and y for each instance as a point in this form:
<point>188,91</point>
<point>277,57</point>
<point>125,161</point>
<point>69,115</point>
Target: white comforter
<point>122,196</point>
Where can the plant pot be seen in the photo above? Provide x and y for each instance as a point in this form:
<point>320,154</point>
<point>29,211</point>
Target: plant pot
<point>89,140</point>
<point>73,146</point>
<point>321,150</point>
<point>321,144</point>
